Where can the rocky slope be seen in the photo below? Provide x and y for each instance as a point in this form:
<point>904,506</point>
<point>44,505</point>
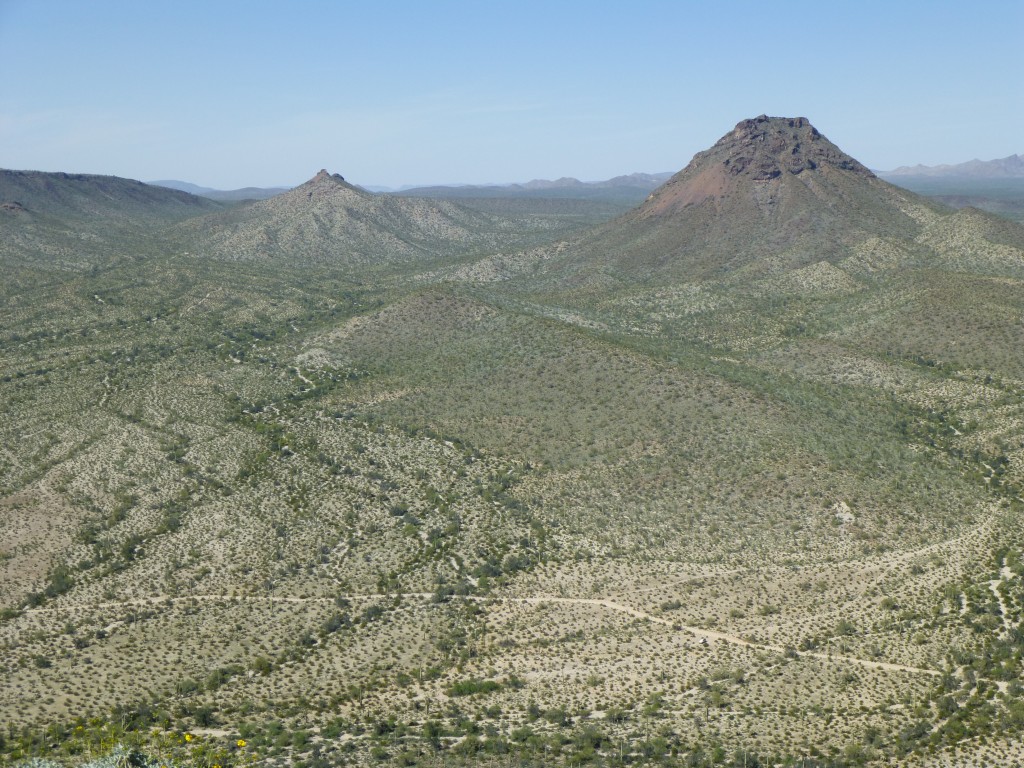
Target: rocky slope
<point>773,194</point>
<point>329,221</point>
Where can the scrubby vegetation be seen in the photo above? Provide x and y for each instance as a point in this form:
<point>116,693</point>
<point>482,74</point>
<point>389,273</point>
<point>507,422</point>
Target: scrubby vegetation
<point>473,508</point>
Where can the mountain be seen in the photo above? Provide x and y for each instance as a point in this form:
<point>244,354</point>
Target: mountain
<point>223,195</point>
<point>183,186</point>
<point>245,193</point>
<point>329,221</point>
<point>638,180</point>
<point>772,194</point>
<point>71,220</point>
<point>1011,167</point>
<point>90,197</point>
<point>774,231</point>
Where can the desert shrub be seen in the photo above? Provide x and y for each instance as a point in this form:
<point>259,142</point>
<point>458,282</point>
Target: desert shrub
<point>472,687</point>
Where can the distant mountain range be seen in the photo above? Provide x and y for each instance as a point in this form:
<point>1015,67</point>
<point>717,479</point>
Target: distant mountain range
<point>223,195</point>
<point>565,186</point>
<point>1011,167</point>
<point>996,186</point>
<point>633,187</point>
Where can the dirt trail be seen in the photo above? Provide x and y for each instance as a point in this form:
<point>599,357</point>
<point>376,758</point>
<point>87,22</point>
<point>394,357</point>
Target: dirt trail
<point>698,632</point>
<point>710,634</point>
<point>199,302</point>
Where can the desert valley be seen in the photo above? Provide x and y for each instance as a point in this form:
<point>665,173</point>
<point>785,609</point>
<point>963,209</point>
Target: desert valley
<point>719,469</point>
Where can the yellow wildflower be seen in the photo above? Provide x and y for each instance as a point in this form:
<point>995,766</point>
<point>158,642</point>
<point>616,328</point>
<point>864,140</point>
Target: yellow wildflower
<point>188,737</point>
<point>240,743</point>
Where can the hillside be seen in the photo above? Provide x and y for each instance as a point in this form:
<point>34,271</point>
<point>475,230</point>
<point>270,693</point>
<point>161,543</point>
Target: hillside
<point>87,198</point>
<point>71,221</point>
<point>732,479</point>
<point>773,194</point>
<point>1001,196</point>
<point>329,221</point>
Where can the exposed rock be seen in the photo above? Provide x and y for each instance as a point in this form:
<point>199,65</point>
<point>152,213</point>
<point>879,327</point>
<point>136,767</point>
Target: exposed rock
<point>760,150</point>
<point>323,174</point>
<point>768,146</point>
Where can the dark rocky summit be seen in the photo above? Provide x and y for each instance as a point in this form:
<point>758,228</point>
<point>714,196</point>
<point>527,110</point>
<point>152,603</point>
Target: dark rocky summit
<point>761,149</point>
<point>765,147</point>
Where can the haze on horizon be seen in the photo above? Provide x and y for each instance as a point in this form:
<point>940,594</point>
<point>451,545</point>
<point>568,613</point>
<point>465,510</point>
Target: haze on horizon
<point>235,94</point>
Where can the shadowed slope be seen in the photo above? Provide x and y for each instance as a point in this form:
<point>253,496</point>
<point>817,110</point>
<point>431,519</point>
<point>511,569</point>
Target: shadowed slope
<point>70,221</point>
<point>85,196</point>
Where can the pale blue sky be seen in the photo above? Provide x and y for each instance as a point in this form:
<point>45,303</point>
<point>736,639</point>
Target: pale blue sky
<point>229,94</point>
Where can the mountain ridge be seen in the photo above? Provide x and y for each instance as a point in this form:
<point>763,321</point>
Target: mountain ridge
<point>222,195</point>
<point>629,188</point>
<point>1010,167</point>
<point>76,195</point>
<point>74,220</point>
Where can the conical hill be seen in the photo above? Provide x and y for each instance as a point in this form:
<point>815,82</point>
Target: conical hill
<point>772,194</point>
<point>329,221</point>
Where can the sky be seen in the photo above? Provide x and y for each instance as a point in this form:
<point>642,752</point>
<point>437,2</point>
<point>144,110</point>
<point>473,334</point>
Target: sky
<point>228,94</point>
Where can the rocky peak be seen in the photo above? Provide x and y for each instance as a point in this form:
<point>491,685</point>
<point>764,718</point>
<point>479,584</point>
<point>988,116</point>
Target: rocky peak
<point>326,185</point>
<point>323,175</point>
<point>759,160</point>
<point>764,148</point>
